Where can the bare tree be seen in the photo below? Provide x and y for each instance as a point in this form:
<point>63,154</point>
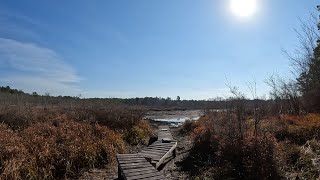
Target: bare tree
<point>285,94</point>
<point>257,114</point>
<point>237,104</point>
<point>308,36</point>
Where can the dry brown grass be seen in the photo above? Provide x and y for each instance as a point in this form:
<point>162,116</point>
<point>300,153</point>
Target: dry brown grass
<point>297,145</point>
<point>296,129</point>
<point>58,149</point>
<point>56,143</point>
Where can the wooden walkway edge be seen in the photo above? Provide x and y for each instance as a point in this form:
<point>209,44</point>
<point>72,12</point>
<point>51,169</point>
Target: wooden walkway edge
<point>144,164</point>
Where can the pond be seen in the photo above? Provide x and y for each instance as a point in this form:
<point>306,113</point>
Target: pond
<point>174,118</point>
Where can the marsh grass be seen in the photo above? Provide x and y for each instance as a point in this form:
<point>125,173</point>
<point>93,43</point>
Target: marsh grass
<point>51,140</point>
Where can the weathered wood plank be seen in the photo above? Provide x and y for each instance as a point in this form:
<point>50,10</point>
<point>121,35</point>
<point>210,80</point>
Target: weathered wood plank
<point>162,144</point>
<point>164,132</point>
<point>126,161</point>
<point>125,158</point>
<point>135,173</point>
<point>136,166</point>
<point>147,175</point>
<point>153,157</point>
<point>160,147</point>
<point>138,170</point>
<point>157,149</point>
<point>133,164</point>
<point>153,178</point>
<point>127,155</point>
<point>166,155</point>
<point>130,159</point>
<point>162,152</point>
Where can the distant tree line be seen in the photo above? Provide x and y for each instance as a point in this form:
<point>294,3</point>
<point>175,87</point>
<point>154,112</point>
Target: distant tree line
<point>7,89</point>
<point>152,103</point>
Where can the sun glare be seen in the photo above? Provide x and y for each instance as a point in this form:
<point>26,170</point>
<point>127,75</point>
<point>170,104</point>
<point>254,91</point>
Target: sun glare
<point>243,8</point>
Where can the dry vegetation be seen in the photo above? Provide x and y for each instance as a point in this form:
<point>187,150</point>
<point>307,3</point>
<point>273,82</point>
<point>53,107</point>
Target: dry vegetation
<point>283,147</point>
<point>298,146</point>
<point>40,139</point>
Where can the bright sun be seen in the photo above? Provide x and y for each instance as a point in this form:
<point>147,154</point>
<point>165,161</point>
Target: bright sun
<point>243,8</point>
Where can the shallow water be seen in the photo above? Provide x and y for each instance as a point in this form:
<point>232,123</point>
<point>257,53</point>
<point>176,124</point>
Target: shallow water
<point>174,117</point>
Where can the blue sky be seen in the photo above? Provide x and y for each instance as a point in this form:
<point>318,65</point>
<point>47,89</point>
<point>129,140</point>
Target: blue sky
<point>139,48</point>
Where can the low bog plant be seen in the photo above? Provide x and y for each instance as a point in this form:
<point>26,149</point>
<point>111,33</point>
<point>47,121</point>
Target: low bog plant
<point>57,142</point>
<point>299,129</point>
<point>58,149</point>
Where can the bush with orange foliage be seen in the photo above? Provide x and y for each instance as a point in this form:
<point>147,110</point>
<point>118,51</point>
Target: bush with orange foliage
<point>297,145</point>
<point>56,149</point>
<point>54,142</point>
<point>299,129</point>
<point>220,152</point>
<point>43,137</point>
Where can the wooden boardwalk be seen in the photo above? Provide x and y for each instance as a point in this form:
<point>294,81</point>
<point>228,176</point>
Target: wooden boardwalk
<point>134,166</point>
<point>159,151</point>
<point>144,164</point>
<point>164,133</point>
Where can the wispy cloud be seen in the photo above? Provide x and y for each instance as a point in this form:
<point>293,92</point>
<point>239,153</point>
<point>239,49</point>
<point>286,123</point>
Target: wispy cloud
<point>10,14</point>
<point>16,25</point>
<point>36,68</point>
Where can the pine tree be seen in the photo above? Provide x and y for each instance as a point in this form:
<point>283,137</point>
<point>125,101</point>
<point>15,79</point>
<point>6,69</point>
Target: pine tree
<point>309,79</point>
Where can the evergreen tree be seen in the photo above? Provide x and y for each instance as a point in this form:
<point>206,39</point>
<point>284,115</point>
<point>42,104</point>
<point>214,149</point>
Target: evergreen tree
<point>309,79</point>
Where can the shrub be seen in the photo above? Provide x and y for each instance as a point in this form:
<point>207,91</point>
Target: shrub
<point>20,117</point>
<point>13,154</point>
<point>57,149</point>
<point>139,133</point>
<point>45,137</point>
<point>219,151</point>
<point>299,130</point>
<point>187,127</point>
<point>121,118</point>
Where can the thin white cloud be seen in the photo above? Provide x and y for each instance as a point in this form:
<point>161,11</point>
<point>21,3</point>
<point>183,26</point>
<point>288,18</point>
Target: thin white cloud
<point>36,68</point>
<point>15,24</point>
<point>12,15</point>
